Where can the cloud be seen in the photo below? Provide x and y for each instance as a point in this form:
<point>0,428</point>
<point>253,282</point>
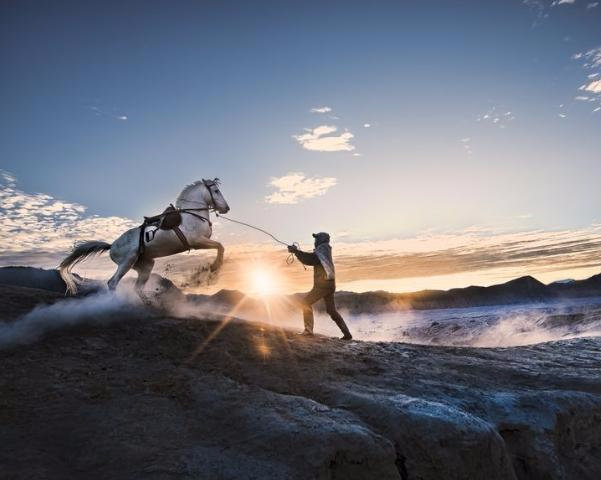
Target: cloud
<point>37,221</point>
<point>367,125</point>
<point>103,113</point>
<point>539,10</point>
<point>591,64</point>
<point>496,117</point>
<point>594,86</point>
<point>295,186</point>
<point>321,110</point>
<point>320,139</point>
<point>467,145</point>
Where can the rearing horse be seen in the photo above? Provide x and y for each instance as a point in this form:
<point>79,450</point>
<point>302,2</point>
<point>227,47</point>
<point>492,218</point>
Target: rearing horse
<point>138,247</point>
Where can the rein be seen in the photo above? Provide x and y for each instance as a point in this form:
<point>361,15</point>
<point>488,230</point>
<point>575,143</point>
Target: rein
<point>289,259</point>
<point>190,211</point>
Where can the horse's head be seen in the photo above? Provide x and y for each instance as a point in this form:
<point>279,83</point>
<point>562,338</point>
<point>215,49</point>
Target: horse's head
<point>214,197</point>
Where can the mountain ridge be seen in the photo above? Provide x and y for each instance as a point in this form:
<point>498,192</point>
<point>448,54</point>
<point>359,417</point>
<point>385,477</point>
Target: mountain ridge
<point>525,289</point>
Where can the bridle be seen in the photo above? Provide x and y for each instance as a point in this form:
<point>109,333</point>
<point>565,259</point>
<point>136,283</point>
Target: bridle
<point>210,184</point>
<point>211,207</point>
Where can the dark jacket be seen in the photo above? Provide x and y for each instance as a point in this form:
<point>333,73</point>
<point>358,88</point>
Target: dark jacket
<point>319,273</point>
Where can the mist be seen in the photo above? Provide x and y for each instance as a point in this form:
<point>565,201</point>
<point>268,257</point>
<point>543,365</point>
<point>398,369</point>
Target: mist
<point>497,326</point>
<point>101,308</point>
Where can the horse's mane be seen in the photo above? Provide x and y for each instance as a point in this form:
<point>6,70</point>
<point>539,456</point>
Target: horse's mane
<point>186,191</point>
<point>188,188</point>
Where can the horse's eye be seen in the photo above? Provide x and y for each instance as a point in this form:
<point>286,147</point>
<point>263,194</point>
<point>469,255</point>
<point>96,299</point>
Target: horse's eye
<point>217,191</point>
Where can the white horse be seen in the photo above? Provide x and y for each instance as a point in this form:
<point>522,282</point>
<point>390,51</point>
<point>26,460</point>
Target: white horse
<point>194,204</point>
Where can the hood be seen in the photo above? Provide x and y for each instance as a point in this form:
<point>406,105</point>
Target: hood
<point>321,238</point>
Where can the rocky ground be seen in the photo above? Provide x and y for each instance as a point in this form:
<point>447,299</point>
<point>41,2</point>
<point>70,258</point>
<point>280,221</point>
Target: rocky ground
<point>147,395</point>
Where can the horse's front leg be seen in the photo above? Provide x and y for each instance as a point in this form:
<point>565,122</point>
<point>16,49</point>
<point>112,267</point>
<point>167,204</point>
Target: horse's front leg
<point>207,243</point>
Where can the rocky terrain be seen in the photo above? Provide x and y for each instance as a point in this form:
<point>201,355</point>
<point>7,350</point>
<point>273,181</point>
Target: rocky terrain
<point>123,392</point>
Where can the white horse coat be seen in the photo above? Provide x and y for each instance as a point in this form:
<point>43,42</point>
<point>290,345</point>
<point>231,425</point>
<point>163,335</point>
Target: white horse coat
<point>199,197</point>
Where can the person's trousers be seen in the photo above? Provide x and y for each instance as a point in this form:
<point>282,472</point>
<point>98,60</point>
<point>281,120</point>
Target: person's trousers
<point>327,293</point>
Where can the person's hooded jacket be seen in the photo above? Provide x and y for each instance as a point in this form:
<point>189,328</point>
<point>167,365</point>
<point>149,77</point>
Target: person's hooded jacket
<point>321,259</point>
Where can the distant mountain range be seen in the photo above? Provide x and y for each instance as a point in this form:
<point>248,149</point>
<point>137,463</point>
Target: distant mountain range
<point>521,290</point>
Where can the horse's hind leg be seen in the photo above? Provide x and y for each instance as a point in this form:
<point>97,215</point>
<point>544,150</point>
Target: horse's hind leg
<point>122,269</point>
<point>144,268</point>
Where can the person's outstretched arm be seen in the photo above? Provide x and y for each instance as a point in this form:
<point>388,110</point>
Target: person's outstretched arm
<point>306,258</point>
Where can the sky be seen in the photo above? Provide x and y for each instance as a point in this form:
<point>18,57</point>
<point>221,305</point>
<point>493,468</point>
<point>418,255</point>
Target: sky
<point>441,143</point>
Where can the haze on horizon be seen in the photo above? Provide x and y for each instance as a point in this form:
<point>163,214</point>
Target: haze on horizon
<point>442,144</point>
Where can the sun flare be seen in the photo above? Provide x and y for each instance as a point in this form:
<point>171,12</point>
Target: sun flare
<point>262,281</point>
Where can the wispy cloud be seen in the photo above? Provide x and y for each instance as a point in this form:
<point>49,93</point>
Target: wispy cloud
<point>103,113</point>
<point>37,221</point>
<point>541,9</point>
<point>295,186</point>
<point>320,139</point>
<point>591,64</point>
<point>497,117</point>
<point>323,109</point>
<point>467,145</point>
<point>594,87</point>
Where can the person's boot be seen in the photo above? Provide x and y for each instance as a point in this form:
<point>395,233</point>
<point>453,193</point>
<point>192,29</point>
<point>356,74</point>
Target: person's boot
<point>346,333</point>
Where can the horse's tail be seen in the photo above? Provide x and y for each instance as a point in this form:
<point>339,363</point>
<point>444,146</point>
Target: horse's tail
<point>80,252</point>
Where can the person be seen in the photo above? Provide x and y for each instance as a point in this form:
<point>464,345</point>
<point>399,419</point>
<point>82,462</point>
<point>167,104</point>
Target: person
<point>324,283</point>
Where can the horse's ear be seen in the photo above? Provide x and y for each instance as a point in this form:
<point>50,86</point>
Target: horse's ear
<point>216,180</point>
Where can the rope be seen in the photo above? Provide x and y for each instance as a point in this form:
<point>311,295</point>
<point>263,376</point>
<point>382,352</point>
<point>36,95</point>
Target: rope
<point>290,257</point>
<point>253,227</point>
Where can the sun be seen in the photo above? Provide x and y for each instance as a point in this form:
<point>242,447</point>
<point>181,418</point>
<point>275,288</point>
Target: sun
<point>262,282</point>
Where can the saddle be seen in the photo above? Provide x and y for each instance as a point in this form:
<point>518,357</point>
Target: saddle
<point>170,219</point>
